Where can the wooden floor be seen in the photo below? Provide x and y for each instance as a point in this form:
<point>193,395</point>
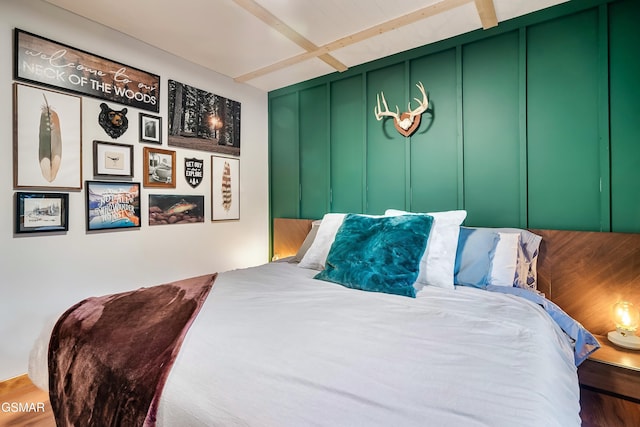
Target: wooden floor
<point>20,390</point>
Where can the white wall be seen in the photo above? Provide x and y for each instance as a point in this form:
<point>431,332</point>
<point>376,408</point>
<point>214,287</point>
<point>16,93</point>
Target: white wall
<point>41,275</point>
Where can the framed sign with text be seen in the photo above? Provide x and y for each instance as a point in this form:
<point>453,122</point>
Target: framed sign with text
<point>44,61</point>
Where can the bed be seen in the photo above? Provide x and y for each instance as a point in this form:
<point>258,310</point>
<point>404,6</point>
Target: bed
<point>274,345</point>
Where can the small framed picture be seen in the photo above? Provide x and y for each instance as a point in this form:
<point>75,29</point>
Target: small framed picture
<point>225,188</point>
<point>112,159</point>
<point>150,129</point>
<point>159,168</point>
<point>40,212</point>
<point>112,205</point>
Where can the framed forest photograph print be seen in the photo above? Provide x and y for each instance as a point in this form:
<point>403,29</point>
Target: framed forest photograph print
<point>150,129</point>
<point>111,159</point>
<point>159,168</point>
<point>201,120</point>
<point>40,212</point>
<point>47,139</point>
<point>112,205</point>
<point>225,188</point>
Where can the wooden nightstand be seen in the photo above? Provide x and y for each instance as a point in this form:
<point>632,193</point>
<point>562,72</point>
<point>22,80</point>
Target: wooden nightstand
<point>610,387</point>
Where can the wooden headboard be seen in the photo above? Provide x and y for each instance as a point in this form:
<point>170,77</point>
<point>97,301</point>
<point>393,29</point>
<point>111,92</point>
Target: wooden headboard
<point>584,272</point>
<point>288,235</point>
<point>587,272</point>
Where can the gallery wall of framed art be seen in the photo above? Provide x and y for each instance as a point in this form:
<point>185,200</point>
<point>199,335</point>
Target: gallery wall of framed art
<point>48,139</point>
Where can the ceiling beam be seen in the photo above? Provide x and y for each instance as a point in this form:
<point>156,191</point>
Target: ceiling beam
<point>271,20</point>
<point>487,13</point>
<point>376,30</point>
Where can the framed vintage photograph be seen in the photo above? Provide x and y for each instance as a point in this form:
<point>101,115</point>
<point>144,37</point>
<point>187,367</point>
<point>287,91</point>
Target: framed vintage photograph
<point>159,168</point>
<point>112,205</point>
<point>112,159</point>
<point>150,129</point>
<point>225,188</point>
<point>47,139</point>
<point>41,212</point>
<point>175,209</point>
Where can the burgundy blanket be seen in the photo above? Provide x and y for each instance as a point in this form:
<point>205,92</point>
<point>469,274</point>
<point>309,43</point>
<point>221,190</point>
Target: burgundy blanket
<point>110,356</point>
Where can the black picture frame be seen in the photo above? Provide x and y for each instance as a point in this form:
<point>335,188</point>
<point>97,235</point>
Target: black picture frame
<point>112,205</point>
<point>150,129</point>
<point>111,159</point>
<point>41,212</point>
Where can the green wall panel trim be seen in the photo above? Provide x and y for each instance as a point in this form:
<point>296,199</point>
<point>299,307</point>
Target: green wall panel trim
<point>564,164</point>
<point>603,119</point>
<point>435,143</point>
<point>625,126</point>
<point>283,154</point>
<point>522,126</point>
<point>385,146</point>
<point>348,147</point>
<point>314,152</point>
<point>491,131</point>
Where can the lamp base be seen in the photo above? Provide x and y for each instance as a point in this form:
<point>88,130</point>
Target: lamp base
<point>631,342</point>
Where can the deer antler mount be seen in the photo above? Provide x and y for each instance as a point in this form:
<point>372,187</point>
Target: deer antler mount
<point>406,123</point>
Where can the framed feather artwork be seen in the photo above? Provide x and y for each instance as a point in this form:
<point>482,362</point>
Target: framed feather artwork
<point>225,188</point>
<point>47,139</point>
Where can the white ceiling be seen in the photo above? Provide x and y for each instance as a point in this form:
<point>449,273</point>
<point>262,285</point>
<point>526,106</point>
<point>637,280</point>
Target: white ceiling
<point>270,44</point>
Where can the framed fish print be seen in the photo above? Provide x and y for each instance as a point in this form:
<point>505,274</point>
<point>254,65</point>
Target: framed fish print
<point>112,205</point>
<point>159,168</point>
<point>167,209</point>
<point>112,160</point>
<point>225,188</point>
<point>47,139</point>
<point>42,212</point>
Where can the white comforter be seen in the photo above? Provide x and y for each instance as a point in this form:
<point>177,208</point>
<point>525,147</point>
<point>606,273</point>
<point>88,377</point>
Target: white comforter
<point>274,347</point>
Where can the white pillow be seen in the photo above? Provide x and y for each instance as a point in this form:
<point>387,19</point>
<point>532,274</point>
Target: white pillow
<point>438,261</point>
<point>505,260</point>
<point>316,256</point>
<point>308,240</point>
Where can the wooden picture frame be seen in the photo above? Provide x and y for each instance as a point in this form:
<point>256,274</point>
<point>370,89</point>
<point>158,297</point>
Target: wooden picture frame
<point>159,168</point>
<point>150,129</point>
<point>111,159</point>
<point>41,212</point>
<point>112,205</point>
<point>225,188</point>
<point>47,139</point>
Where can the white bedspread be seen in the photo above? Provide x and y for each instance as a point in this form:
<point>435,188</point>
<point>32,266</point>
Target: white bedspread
<point>274,347</point>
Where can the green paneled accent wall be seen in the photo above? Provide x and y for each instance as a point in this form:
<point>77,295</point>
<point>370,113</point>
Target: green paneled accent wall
<point>624,66</point>
<point>284,172</point>
<point>348,145</point>
<point>314,152</point>
<point>386,158</point>
<point>530,124</point>
<point>491,131</point>
<point>433,187</point>
<point>562,115</point>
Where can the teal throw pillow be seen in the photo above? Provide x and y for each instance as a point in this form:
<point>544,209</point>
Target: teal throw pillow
<point>378,254</point>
